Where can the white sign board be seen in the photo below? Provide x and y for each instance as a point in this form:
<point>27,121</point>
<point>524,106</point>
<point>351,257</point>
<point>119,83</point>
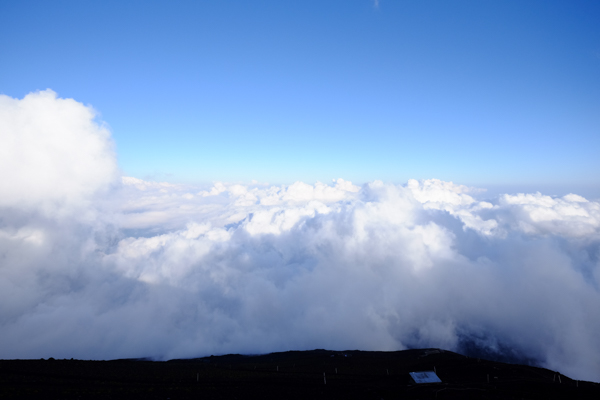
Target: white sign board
<point>424,377</point>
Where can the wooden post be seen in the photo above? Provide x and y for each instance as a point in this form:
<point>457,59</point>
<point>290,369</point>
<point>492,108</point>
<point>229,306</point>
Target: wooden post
<point>324,379</point>
<point>336,371</point>
<point>198,377</point>
<point>488,378</point>
<point>388,371</point>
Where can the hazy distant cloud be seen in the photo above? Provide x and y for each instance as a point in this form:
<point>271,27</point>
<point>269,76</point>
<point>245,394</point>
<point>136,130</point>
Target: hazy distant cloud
<point>93,266</point>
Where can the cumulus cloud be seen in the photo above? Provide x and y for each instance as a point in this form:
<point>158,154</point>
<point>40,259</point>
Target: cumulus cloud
<point>97,266</point>
<point>571,215</point>
<point>55,158</point>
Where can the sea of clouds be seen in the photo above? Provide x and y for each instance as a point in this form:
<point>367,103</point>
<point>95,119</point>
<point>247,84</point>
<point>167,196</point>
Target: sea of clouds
<point>95,265</point>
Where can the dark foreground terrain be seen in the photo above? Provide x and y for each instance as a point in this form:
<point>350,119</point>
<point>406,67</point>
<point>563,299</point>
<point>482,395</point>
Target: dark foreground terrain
<point>317,374</point>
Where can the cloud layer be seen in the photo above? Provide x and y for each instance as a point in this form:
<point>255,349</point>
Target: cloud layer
<point>97,266</point>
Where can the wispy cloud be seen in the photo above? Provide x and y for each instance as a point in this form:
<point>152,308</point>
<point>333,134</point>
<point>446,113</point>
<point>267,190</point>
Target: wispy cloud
<point>94,265</point>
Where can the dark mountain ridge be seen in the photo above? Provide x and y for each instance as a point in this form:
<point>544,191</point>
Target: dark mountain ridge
<point>317,373</point>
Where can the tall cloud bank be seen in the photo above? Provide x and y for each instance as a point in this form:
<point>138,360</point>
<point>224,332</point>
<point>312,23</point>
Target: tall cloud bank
<point>94,265</point>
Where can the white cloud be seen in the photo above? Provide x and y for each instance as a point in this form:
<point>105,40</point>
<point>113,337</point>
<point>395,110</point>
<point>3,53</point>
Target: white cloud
<point>54,157</point>
<point>438,195</point>
<point>571,215</point>
<point>421,265</point>
<point>94,267</point>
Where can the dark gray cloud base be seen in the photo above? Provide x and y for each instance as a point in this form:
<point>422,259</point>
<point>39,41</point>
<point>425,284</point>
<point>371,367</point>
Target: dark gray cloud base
<point>93,265</point>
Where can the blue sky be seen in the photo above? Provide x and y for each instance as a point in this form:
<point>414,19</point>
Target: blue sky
<point>478,92</point>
